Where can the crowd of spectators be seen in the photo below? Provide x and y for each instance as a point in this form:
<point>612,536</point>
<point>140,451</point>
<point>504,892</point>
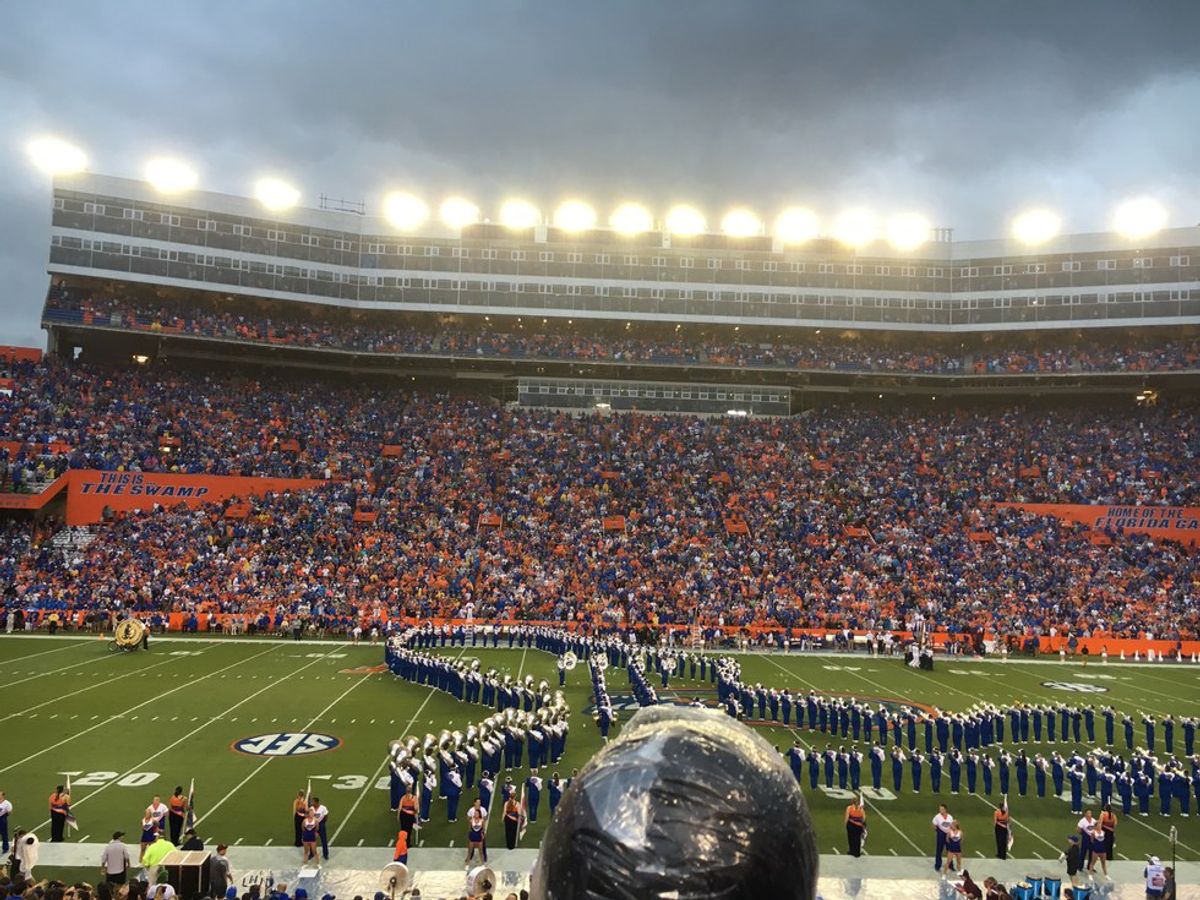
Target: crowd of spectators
<point>857,519</point>
<point>155,419</point>
<point>812,354</point>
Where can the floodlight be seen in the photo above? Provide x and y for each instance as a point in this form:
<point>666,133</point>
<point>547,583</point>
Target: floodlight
<point>907,231</point>
<point>1139,218</point>
<point>458,213</point>
<point>796,225</point>
<point>170,176</point>
<point>575,215</point>
<point>405,211</point>
<point>685,220</point>
<point>519,214</point>
<point>856,227</point>
<point>1036,226</point>
<point>631,218</point>
<point>56,157</point>
<point>741,223</point>
<point>276,195</point>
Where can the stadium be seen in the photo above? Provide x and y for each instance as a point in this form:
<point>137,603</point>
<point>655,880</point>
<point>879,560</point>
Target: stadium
<point>396,502</point>
<point>493,451</point>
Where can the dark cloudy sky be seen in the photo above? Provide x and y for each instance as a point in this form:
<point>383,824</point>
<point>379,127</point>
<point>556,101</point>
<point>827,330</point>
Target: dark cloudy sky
<point>965,109</point>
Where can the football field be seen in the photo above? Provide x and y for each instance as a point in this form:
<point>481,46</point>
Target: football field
<point>254,721</point>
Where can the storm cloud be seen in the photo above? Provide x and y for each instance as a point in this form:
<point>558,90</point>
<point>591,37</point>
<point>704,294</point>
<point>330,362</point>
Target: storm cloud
<point>964,110</point>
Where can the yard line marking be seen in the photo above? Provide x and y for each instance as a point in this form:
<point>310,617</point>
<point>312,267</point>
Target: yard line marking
<point>1015,822</point>
<point>266,762</point>
<point>361,841</point>
<point>894,853</point>
<point>979,853</point>
<point>1122,855</point>
<point>1161,834</point>
<point>374,778</point>
<point>238,841</point>
<point>86,662</point>
<point>268,843</point>
<point>185,737</point>
<point>78,642</point>
<point>121,715</point>
<point>84,838</point>
<point>1034,852</point>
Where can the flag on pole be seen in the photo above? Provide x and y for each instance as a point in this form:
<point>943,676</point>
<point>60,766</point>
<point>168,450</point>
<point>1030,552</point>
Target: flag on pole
<point>72,823</point>
<point>523,823</point>
<point>308,794</point>
<point>191,804</point>
<point>1004,806</point>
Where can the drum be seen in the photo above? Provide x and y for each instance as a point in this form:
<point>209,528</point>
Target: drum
<point>1051,887</point>
<point>128,634</point>
<point>1034,882</point>
<point>1082,893</point>
<point>1022,891</point>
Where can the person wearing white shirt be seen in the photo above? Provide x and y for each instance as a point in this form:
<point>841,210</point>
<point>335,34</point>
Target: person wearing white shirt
<point>321,813</point>
<point>27,848</point>
<point>941,827</point>
<point>6,809</point>
<point>476,823</point>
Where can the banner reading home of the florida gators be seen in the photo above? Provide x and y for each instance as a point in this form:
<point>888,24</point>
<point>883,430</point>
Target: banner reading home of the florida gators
<point>1173,523</point>
<point>91,491</point>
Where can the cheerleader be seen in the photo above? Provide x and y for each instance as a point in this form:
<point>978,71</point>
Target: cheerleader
<point>953,848</point>
<point>1098,852</point>
<point>149,832</point>
<point>308,837</point>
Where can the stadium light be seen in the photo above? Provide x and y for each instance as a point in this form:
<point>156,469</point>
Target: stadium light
<point>740,223</point>
<point>797,225</point>
<point>1139,218</point>
<point>631,218</point>
<point>170,176</point>
<point>519,214</point>
<point>575,215</point>
<point>685,220</point>
<point>1036,226</point>
<point>56,157</point>
<point>907,231</point>
<point>458,213</point>
<point>856,227</point>
<point>405,211</point>
<point>275,194</point>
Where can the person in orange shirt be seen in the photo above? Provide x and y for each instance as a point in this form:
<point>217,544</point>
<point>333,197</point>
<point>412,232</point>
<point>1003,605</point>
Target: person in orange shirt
<point>856,826</point>
<point>176,813</point>
<point>60,804</point>
<point>1000,826</point>
<point>400,854</point>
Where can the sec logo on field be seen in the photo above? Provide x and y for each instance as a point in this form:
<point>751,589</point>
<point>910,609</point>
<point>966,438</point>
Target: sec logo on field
<point>287,743</point>
<point>1075,686</point>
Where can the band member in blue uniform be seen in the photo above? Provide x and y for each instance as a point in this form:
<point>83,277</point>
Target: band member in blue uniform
<point>533,794</point>
<point>554,788</point>
<point>877,754</point>
<point>897,768</point>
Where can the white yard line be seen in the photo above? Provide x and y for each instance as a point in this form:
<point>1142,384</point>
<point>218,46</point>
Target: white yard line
<point>1015,823</point>
<point>86,662</point>
<point>374,778</point>
<point>121,715</point>
<point>1161,834</point>
<point>90,687</point>
<point>190,734</point>
<point>269,759</point>
<point>21,659</point>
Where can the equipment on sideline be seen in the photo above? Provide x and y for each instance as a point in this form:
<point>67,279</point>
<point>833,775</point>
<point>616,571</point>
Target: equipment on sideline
<point>392,878</point>
<point>481,880</point>
<point>128,634</point>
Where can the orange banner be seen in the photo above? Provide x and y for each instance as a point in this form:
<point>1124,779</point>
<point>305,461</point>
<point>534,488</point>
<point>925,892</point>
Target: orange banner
<point>21,354</point>
<point>91,491</point>
<point>1172,523</point>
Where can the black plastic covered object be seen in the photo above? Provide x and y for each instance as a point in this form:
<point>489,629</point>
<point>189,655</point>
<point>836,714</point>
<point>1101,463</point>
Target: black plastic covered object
<point>685,803</point>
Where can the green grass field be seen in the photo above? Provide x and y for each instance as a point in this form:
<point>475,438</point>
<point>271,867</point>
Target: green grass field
<point>129,725</point>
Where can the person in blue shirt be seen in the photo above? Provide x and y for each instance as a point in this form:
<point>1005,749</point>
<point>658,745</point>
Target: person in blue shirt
<point>917,762</point>
<point>1058,773</point>
<point>814,769</point>
<point>830,759</point>
<point>855,769</point>
<point>533,794</point>
<point>486,785</point>
<point>935,772</point>
<point>452,788</point>
<point>785,705</point>
<point>1189,737</point>
<point>1039,774</point>
<point>897,768</point>
<point>1143,787</point>
<point>987,766</point>
<point>877,754</point>
<point>972,771</point>
<point>1168,729</point>
<point>843,767</point>
<point>1076,778</point>
<point>1125,792</point>
<point>555,788</point>
<point>955,764</point>
<point>1166,790</point>
<point>1110,721</point>
<point>795,757</point>
<point>1127,724</point>
<point>1148,722</point>
<point>1089,723</point>
<point>1037,724</point>
<point>1021,764</point>
<point>1002,765</point>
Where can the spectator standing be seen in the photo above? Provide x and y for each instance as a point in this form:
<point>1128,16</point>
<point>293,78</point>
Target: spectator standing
<point>114,860</point>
